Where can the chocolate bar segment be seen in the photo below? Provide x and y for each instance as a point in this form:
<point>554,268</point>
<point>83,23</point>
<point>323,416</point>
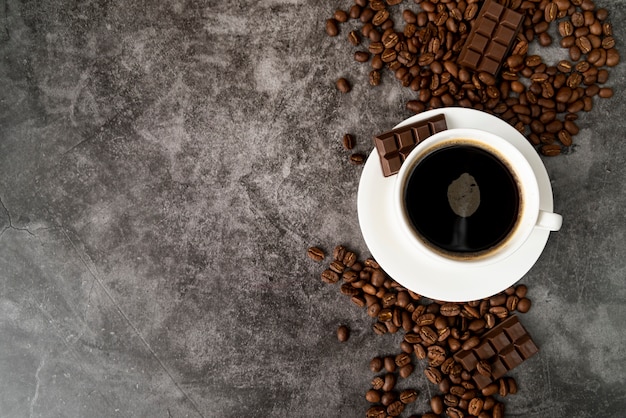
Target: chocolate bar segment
<point>395,146</point>
<point>491,38</point>
<point>504,347</point>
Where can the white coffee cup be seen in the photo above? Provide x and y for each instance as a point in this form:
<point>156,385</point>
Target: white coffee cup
<point>529,216</point>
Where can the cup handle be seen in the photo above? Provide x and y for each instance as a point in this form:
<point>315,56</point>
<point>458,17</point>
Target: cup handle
<point>549,220</point>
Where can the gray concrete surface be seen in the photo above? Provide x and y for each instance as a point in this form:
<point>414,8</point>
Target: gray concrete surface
<point>163,168</point>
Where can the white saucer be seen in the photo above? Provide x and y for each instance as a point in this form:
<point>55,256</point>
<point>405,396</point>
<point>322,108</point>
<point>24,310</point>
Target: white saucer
<point>421,273</point>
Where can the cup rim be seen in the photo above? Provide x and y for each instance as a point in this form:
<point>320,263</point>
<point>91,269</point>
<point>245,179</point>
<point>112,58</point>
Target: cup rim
<point>515,162</point>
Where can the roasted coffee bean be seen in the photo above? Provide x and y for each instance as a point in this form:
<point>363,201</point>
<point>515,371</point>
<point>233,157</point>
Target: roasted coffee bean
<point>549,151</point>
<point>436,404</point>
<point>428,335</point>
<point>390,364</point>
<point>376,364</point>
<point>339,252</point>
<point>471,342</point>
<point>524,304</point>
<point>329,276</point>
<point>376,412</point>
<point>354,38</point>
<point>377,383</point>
<point>379,328</point>
<point>433,375</point>
<point>388,398</point>
<point>389,382</point>
<point>337,266</point>
<point>584,44</point>
<point>406,370</point>
<point>355,11</point>
<point>605,92</point>
<point>357,159</point>
<point>343,333</point>
<point>483,368</point>
<point>343,85</point>
<point>551,11</point>
<point>395,408</point>
<point>332,28</point>
<point>349,290</point>
<point>349,259</point>
<point>450,309</point>
<point>361,56</point>
<point>348,141</point>
<point>453,412</point>
<point>315,254</point>
<point>408,396</point>
<point>372,396</point>
<point>402,359</point>
<point>475,406</point>
<point>512,385</point>
<point>498,411</point>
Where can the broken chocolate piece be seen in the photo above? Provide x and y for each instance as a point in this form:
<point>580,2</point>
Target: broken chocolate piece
<point>395,146</point>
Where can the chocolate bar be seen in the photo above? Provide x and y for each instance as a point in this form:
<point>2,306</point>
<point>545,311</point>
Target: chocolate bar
<point>491,37</point>
<point>394,146</point>
<point>503,348</point>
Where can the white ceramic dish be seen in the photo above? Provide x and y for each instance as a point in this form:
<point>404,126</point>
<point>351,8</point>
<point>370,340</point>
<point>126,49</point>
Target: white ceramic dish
<point>395,253</point>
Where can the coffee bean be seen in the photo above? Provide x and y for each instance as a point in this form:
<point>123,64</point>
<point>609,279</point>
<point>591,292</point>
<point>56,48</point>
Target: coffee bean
<point>612,57</point>
<point>377,383</point>
<point>470,11</point>
<point>355,11</point>
<point>436,404</point>
<point>498,411</point>
<point>376,412</point>
<point>388,398</point>
<point>453,412</point>
<point>406,370</point>
<point>343,85</point>
<point>605,92</point>
<point>395,408</point>
<point>332,28</point>
<point>402,359</point>
<point>408,396</point>
<point>550,12</point>
<point>315,254</point>
<point>372,396</point>
<point>450,309</point>
<point>361,56</point>
<point>389,382</point>
<point>329,276</point>
<point>471,343</point>
<point>433,375</point>
<point>379,328</point>
<point>357,159</point>
<point>584,44</point>
<point>343,333</point>
<point>512,385</point>
<point>483,368</point>
<point>524,304</point>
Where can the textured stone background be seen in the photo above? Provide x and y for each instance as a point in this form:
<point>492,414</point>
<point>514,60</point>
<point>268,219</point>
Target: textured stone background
<point>163,167</point>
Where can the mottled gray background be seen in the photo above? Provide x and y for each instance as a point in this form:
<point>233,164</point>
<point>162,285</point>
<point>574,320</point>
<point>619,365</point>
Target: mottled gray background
<point>163,167</point>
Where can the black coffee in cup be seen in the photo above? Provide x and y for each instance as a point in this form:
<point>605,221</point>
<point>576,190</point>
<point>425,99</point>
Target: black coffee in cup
<point>462,199</point>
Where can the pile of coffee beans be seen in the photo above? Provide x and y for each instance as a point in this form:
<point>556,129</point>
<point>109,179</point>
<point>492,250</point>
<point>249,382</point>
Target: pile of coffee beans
<point>433,332</point>
<point>541,100</point>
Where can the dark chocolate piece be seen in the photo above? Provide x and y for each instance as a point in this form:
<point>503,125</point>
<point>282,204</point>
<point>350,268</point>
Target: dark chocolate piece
<point>504,347</point>
<point>491,38</point>
<point>395,146</point>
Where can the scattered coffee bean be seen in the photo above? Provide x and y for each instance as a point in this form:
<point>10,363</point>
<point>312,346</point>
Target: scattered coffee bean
<point>357,159</point>
<point>332,28</point>
<point>315,253</point>
<point>343,333</point>
<point>348,141</point>
<point>343,85</point>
